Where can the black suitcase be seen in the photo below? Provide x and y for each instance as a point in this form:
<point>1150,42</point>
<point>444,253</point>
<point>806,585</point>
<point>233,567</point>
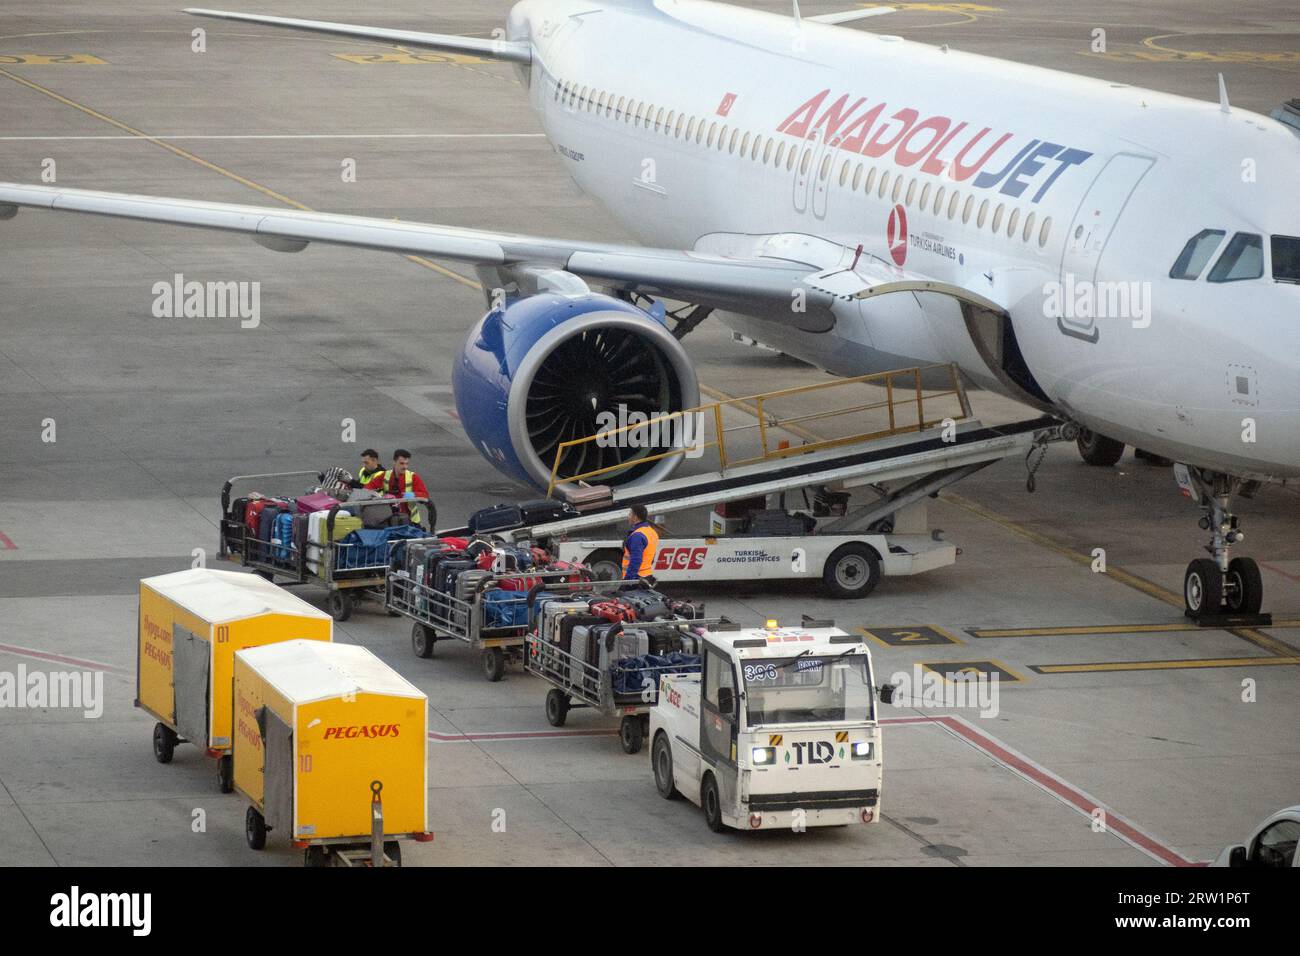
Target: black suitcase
<point>568,622</point>
<point>435,558</point>
<point>687,610</point>
<point>649,605</point>
<point>445,576</point>
<point>496,518</point>
<point>546,509</point>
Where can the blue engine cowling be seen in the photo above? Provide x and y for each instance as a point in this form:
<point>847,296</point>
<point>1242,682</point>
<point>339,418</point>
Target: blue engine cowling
<point>542,369</point>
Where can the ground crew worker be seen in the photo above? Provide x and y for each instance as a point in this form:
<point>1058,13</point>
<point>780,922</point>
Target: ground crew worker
<point>401,481</point>
<point>370,467</point>
<point>640,546</point>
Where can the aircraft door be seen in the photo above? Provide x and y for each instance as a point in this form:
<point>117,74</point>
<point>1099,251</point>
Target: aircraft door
<point>808,157</point>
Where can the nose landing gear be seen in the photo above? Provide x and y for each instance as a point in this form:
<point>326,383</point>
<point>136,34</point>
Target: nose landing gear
<point>1221,588</point>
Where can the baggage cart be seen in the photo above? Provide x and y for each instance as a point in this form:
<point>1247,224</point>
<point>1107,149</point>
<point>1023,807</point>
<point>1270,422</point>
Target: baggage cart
<point>440,615</point>
<point>613,690</point>
<point>191,623</point>
<point>330,749</point>
<point>349,573</point>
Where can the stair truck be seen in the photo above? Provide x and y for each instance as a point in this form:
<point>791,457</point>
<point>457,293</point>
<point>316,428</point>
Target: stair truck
<point>778,730</point>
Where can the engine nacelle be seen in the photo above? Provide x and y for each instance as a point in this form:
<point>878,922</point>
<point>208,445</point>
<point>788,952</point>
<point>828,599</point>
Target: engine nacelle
<point>543,369</point>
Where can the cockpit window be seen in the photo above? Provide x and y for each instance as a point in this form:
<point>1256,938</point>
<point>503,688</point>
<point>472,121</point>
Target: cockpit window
<point>1243,259</point>
<point>1196,254</point>
<point>1286,258</point>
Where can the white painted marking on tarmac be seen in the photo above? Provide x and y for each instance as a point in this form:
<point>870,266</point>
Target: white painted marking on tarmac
<point>434,402</point>
<point>11,139</point>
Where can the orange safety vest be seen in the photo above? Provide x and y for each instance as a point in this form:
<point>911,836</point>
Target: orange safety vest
<point>648,555</point>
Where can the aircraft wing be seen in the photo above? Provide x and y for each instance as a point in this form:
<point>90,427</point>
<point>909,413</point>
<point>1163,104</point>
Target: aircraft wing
<point>511,50</point>
<point>848,16</point>
<point>743,282</point>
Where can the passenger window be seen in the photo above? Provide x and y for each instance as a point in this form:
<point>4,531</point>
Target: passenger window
<point>1029,227</point>
<point>1191,261</point>
<point>938,201</point>
<point>1044,232</point>
<point>871,180</point>
<point>1012,223</point>
<point>857,177</point>
<point>1276,846</point>
<point>898,187</point>
<point>965,210</point>
<point>953,203</point>
<point>997,218</point>
<point>1242,259</point>
<point>1286,258</point>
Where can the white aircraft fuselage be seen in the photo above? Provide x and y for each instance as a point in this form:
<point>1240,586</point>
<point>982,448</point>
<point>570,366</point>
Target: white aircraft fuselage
<point>1063,199</point>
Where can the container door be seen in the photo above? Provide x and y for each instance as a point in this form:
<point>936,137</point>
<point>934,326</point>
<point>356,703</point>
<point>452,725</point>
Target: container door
<point>191,666</point>
<point>277,793</point>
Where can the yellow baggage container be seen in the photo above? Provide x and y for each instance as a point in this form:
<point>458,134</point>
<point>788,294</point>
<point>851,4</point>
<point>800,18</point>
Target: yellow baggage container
<point>316,725</point>
<point>191,624</point>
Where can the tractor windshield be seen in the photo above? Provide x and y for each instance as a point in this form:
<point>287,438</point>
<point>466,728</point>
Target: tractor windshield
<point>809,689</point>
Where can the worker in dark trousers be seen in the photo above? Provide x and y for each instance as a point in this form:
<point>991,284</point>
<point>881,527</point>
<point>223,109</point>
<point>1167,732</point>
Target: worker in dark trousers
<point>640,546</point>
<point>401,481</point>
<point>370,467</point>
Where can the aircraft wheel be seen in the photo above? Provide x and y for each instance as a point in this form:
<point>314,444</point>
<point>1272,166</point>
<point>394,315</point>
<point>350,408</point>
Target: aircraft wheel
<point>1099,450</point>
<point>1243,586</point>
<point>1202,588</point>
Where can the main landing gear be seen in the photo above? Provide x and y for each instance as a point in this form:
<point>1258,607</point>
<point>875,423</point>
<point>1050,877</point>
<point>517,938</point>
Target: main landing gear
<point>1220,586</point>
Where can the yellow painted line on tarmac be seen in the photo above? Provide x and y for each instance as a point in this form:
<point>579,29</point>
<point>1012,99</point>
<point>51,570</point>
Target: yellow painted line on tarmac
<point>51,59</point>
<point>199,160</point>
<point>1192,664</point>
<point>1085,629</point>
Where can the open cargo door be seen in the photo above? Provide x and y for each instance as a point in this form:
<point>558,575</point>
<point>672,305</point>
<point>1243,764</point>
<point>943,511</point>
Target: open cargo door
<point>277,797</point>
<point>191,661</point>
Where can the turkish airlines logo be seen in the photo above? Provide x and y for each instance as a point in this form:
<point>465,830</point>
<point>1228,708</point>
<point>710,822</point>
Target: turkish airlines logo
<point>724,107</point>
<point>896,234</point>
<point>680,559</point>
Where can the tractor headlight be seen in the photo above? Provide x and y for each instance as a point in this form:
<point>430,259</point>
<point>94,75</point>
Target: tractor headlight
<point>862,750</point>
<point>763,756</point>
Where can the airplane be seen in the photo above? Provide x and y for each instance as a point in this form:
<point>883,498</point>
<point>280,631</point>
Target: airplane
<point>1123,259</point>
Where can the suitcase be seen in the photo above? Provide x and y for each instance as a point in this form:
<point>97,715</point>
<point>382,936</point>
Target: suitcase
<point>518,584</point>
<point>266,521</point>
<point>686,610</point>
<point>458,544</point>
<point>649,605</point>
<point>565,627</point>
<point>435,558</point>
<point>552,619</point>
<point>467,583</point>
<point>282,536</point>
<point>443,579</point>
<point>612,611</point>
<point>318,501</point>
<point>778,523</point>
<point>574,577</point>
<point>239,509</point>
<point>588,498</point>
<point>541,557</point>
<point>253,514</point>
<point>546,509</point>
<point>629,642</point>
<point>497,518</point>
<point>317,521</point>
<point>664,642</point>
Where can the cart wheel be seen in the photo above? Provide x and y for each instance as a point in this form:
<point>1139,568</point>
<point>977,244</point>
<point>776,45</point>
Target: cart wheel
<point>254,829</point>
<point>852,571</point>
<point>422,640</point>
<point>661,756</point>
<point>226,773</point>
<point>557,707</point>
<point>164,743</point>
<point>711,804</point>
<point>494,664</point>
<point>339,604</point>
<point>631,734</point>
<point>315,856</point>
<point>393,850</point>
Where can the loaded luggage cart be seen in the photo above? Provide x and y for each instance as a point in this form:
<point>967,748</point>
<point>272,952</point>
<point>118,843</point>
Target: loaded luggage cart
<point>314,538</point>
<point>445,589</point>
<point>331,749</point>
<point>606,644</point>
<point>191,623</point>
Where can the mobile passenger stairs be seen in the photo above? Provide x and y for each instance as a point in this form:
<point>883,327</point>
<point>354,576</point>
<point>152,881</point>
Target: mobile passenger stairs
<point>871,466</point>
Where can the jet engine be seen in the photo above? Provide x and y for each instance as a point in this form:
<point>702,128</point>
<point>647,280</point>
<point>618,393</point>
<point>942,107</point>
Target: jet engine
<point>549,368</point>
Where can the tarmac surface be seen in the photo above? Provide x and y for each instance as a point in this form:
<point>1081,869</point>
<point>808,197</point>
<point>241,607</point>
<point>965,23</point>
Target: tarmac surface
<point>1124,735</point>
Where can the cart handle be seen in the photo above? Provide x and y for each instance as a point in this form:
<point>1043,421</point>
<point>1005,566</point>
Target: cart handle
<point>230,482</point>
